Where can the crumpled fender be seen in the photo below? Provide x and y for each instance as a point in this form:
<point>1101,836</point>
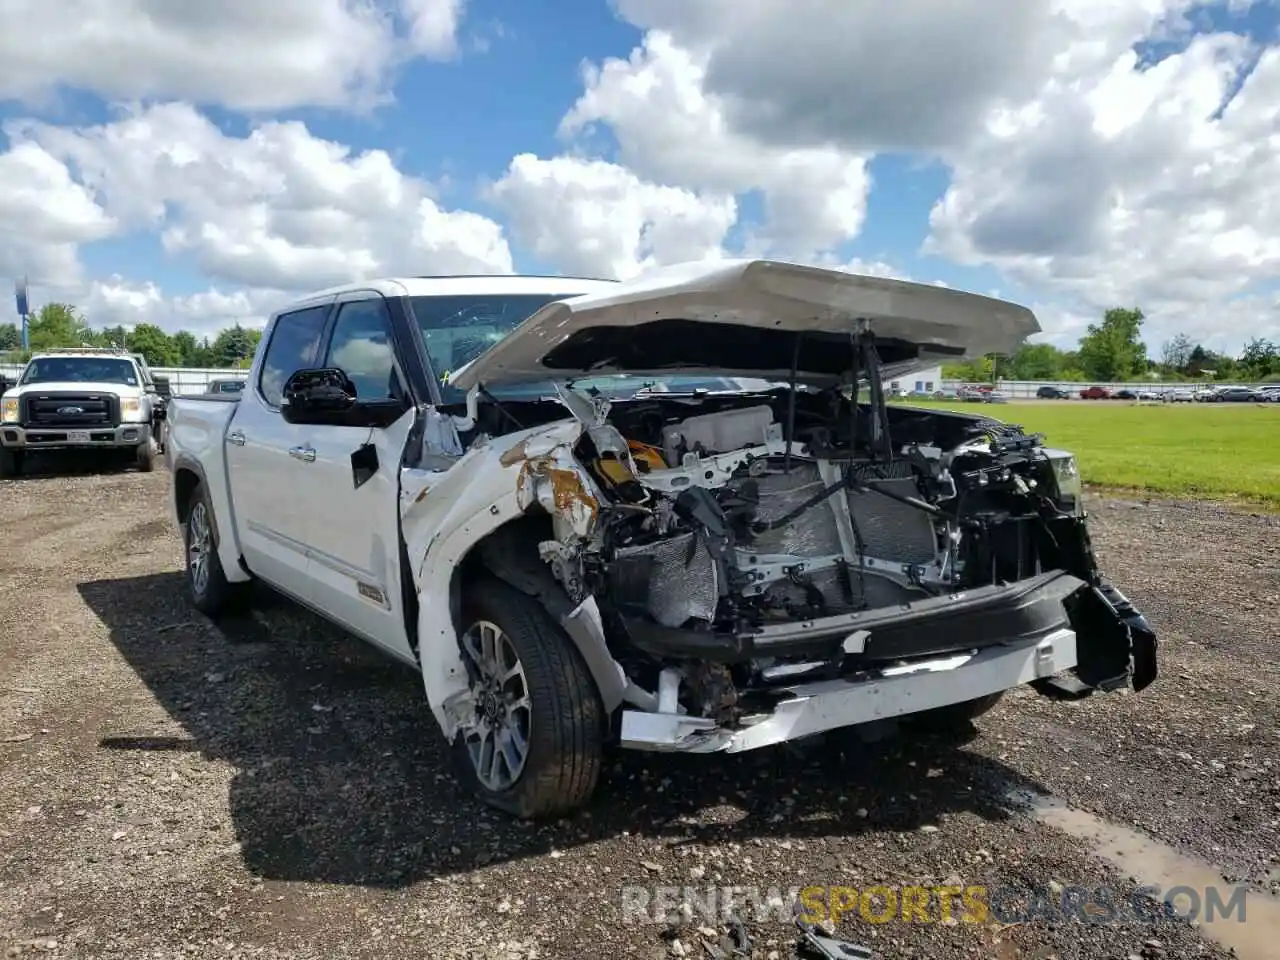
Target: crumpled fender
<point>446,513</point>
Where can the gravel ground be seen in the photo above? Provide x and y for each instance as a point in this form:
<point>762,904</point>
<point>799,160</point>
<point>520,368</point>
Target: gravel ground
<point>274,789</point>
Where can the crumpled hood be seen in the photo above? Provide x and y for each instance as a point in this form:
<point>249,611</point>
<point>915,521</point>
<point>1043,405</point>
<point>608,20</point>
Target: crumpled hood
<point>740,318</point>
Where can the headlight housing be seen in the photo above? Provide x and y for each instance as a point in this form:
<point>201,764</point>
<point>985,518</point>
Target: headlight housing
<point>130,408</point>
<point>9,410</point>
<point>1068,487</point>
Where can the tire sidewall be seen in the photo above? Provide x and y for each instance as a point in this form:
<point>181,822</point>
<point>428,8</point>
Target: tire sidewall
<point>512,610</point>
<point>211,598</point>
<point>145,456</point>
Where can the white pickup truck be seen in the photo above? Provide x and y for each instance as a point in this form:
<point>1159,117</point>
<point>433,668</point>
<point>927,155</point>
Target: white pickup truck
<point>511,485</point>
<point>93,400</point>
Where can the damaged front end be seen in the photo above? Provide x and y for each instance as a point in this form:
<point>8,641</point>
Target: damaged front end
<point>744,569</point>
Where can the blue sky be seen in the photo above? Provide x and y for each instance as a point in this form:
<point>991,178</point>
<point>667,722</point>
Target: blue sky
<point>865,184</point>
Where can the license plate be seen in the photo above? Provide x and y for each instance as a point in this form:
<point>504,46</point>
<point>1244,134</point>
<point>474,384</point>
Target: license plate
<point>77,436</point>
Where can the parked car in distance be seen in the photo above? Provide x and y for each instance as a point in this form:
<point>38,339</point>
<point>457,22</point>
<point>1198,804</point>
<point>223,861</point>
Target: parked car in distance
<point>228,385</point>
<point>1051,393</point>
<point>1124,393</point>
<point>996,396</point>
<point>571,567</point>
<point>1095,393</point>
<point>1178,395</point>
<point>1270,393</point>
<point>1237,395</point>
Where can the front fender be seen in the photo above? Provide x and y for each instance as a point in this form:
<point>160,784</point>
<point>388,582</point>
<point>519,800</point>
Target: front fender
<point>446,514</point>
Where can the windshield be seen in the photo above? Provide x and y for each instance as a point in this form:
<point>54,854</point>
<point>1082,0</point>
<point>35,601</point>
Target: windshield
<point>80,370</point>
<point>458,328</point>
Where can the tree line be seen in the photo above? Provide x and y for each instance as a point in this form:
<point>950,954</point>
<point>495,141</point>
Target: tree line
<point>61,325</point>
<point>1112,351</point>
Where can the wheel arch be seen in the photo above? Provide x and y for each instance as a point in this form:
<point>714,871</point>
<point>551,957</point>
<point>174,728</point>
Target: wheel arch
<point>188,475</point>
<point>508,551</point>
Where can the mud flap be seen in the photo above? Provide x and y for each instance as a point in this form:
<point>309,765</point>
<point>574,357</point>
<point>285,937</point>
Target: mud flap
<point>1115,645</point>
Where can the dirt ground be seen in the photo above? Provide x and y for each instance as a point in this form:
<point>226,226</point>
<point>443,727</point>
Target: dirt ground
<point>273,789</point>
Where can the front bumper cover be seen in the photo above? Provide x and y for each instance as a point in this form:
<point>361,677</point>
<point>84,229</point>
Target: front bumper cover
<point>825,705</point>
<point>973,619</point>
<point>67,438</point>
<point>1064,637</point>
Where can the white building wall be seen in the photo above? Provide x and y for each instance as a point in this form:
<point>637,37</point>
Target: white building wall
<point>926,381</point>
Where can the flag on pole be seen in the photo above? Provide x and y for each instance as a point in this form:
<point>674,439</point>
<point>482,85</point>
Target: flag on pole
<point>20,291</point>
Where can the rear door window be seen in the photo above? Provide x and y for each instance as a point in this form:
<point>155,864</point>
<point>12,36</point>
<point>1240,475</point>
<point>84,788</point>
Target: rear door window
<point>292,347</point>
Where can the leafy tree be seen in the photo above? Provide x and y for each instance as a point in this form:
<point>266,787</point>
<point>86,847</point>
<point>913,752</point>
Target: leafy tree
<point>185,343</point>
<point>1175,354</point>
<point>971,371</point>
<point>232,346</point>
<point>116,336</point>
<point>1035,361</point>
<point>1260,358</point>
<point>10,338</point>
<point>57,325</point>
<point>154,344</point>
<point>1113,349</point>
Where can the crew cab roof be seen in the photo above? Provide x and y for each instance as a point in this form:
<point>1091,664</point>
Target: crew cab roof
<point>458,285</point>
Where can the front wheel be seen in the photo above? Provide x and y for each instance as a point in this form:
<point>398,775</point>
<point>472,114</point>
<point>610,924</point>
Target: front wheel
<point>953,719</point>
<point>533,746</point>
<point>146,454</point>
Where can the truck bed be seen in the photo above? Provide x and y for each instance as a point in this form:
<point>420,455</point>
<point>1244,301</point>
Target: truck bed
<point>196,443</point>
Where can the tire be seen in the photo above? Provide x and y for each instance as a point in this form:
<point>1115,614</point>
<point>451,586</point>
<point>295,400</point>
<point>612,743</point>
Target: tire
<point>955,718</point>
<point>207,586</point>
<point>11,462</point>
<point>563,724</point>
<point>145,456</point>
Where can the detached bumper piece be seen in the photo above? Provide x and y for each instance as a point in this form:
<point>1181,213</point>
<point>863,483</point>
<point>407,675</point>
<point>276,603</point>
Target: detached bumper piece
<point>1117,646</point>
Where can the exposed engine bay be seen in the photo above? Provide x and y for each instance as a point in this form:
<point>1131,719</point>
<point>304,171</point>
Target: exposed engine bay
<point>754,538</point>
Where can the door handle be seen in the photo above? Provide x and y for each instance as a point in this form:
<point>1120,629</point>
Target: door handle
<point>236,437</point>
<point>305,454</point>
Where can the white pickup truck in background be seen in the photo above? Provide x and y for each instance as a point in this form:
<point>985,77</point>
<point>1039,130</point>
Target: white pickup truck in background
<point>578,545</point>
<point>102,401</point>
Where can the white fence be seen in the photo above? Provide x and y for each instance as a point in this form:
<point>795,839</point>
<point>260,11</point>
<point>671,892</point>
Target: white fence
<point>189,380</point>
<point>182,380</point>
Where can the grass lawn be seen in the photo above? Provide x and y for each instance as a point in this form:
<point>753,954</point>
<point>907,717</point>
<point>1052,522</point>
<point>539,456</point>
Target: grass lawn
<point>1197,450</point>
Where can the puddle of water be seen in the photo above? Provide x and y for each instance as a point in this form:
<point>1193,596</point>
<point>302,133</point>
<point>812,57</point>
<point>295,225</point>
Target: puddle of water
<point>1160,865</point>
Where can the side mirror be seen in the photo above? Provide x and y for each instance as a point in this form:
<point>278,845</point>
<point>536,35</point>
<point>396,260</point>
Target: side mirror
<point>326,397</point>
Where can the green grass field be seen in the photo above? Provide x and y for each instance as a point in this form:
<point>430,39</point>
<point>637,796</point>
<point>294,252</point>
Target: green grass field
<point>1195,450</point>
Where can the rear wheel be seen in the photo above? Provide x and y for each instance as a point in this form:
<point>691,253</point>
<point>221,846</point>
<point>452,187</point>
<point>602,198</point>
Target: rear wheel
<point>207,585</point>
<point>533,745</point>
<point>11,462</point>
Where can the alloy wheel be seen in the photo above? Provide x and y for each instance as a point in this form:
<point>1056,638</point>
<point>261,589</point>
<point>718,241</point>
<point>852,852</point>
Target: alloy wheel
<point>497,735</point>
<point>199,545</point>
